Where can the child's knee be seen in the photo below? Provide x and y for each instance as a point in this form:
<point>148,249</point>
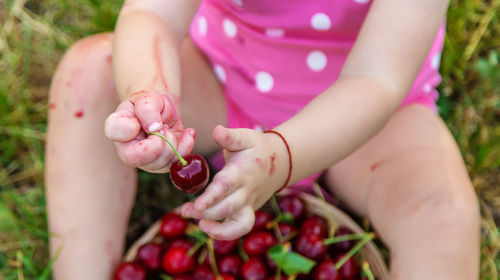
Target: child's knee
<point>454,206</point>
<point>83,66</point>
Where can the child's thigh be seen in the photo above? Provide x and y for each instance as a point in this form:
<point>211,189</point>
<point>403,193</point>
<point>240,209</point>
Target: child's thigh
<point>203,101</point>
<point>412,163</point>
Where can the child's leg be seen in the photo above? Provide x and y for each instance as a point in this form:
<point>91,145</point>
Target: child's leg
<point>90,191</point>
<point>411,182</point>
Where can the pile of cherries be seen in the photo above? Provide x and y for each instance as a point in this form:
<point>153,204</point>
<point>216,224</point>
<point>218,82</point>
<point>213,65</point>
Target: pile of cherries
<point>178,254</point>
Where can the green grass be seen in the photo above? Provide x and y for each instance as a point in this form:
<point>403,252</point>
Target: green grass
<point>35,33</point>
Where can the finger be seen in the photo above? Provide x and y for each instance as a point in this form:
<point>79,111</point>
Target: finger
<point>232,139</point>
<point>169,112</point>
<point>228,206</point>
<point>223,184</point>
<point>148,108</point>
<point>140,152</point>
<point>188,211</point>
<point>232,228</point>
<point>121,126</point>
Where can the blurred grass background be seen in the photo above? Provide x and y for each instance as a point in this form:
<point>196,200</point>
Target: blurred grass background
<point>35,33</point>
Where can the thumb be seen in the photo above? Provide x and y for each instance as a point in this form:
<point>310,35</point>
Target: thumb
<point>233,140</point>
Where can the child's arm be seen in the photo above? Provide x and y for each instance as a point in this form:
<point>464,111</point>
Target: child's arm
<point>146,68</point>
<point>378,73</point>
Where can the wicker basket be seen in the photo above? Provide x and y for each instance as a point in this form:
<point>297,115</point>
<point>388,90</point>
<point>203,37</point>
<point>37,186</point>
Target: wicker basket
<point>314,205</point>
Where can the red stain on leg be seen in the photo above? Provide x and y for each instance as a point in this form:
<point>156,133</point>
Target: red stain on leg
<point>79,114</point>
<point>376,165</point>
<point>109,58</point>
<point>52,106</point>
<point>272,167</point>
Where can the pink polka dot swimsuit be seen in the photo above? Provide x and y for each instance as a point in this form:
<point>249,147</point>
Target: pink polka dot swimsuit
<point>273,56</point>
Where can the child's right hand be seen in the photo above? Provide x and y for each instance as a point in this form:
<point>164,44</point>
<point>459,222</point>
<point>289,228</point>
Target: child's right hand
<point>145,112</point>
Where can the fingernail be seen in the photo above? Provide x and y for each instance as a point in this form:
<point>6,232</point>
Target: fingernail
<point>192,132</point>
<point>154,127</point>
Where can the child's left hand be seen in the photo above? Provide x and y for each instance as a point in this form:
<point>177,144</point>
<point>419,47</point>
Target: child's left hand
<point>256,167</point>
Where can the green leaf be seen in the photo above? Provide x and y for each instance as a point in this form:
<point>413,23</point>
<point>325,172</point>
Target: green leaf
<point>199,235</point>
<point>295,263</point>
<point>277,254</point>
<point>291,263</point>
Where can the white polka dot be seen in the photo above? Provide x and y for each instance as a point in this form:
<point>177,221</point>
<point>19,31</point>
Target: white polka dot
<point>320,21</point>
<point>258,128</point>
<point>427,88</point>
<point>275,32</point>
<point>238,2</point>
<point>202,25</point>
<point>264,81</point>
<point>435,61</point>
<point>316,60</point>
<point>362,1</point>
<point>229,28</point>
<point>220,73</point>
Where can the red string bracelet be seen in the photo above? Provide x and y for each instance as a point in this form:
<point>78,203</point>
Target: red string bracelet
<point>289,158</point>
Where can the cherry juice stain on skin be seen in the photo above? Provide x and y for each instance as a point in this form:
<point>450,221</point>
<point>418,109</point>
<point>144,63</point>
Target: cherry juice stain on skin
<point>376,165</point>
<point>109,58</point>
<point>159,76</point>
<point>272,158</point>
<point>79,114</point>
<point>52,106</point>
<point>261,163</point>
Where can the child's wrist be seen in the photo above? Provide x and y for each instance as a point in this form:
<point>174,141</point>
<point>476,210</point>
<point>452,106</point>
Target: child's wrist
<point>283,158</point>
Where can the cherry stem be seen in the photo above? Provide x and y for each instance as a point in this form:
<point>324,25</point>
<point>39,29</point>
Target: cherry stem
<point>367,271</point>
<point>275,206</point>
<point>211,254</point>
<point>331,240</point>
<point>183,161</point>
<point>242,253</point>
<point>366,238</point>
<point>195,248</point>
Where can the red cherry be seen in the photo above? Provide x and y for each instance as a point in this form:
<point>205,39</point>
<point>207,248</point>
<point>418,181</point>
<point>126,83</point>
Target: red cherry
<point>224,247</point>
<point>230,265</point>
<point>193,176</point>
<point>261,219</point>
<point>286,229</point>
<point>177,261</point>
<point>183,277</point>
<point>326,271</point>
<point>282,277</point>
<point>311,247</point>
<point>181,242</point>
<point>172,225</point>
<point>342,246</point>
<point>314,225</point>
<point>254,269</point>
<point>149,255</point>
<point>349,270</point>
<point>203,273</point>
<point>292,204</point>
<point>129,271</point>
<point>257,243</point>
